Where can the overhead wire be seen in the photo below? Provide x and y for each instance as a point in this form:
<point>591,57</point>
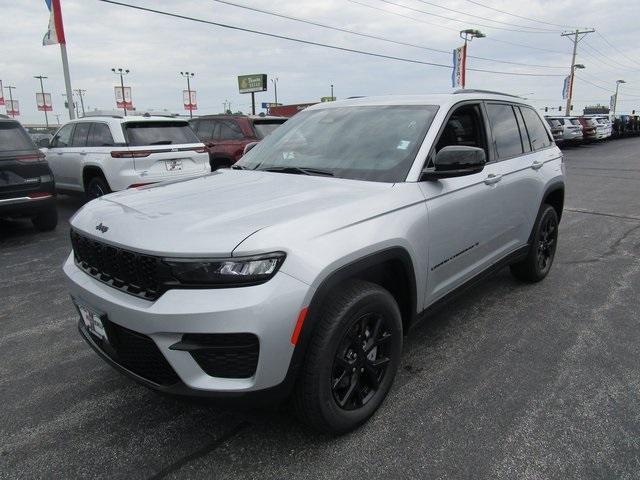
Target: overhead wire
<point>475,2</point>
<point>375,37</point>
<point>319,44</point>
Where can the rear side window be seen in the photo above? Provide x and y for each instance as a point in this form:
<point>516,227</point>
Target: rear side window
<point>80,134</point>
<point>63,137</point>
<point>204,129</point>
<point>538,135</point>
<point>13,137</point>
<point>159,133</point>
<point>506,134</point>
<point>230,130</point>
<point>100,136</point>
<point>265,128</point>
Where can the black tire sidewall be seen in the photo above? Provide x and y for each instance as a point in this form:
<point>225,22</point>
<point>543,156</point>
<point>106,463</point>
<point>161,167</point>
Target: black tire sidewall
<point>341,420</point>
<point>545,212</point>
<point>99,181</point>
<point>46,221</point>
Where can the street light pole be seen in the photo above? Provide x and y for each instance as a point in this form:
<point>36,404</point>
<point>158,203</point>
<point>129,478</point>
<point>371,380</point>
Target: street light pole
<point>331,91</point>
<point>615,99</point>
<point>122,73</point>
<point>10,88</point>
<point>80,93</point>
<point>467,35</point>
<point>275,88</point>
<point>189,75</point>
<point>44,102</point>
<point>576,39</point>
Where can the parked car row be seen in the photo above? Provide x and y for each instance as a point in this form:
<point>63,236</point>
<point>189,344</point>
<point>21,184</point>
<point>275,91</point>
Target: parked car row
<point>626,126</point>
<point>97,155</point>
<point>580,129</point>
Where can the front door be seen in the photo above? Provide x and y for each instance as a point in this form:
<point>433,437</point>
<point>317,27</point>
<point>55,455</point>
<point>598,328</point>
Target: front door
<point>462,240</point>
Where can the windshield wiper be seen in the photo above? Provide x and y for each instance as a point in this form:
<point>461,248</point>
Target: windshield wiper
<point>299,171</point>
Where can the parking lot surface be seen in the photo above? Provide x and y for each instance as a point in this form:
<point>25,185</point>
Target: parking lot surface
<point>509,381</point>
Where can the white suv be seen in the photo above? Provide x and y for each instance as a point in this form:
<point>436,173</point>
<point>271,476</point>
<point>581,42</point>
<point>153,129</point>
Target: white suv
<point>299,270</point>
<point>98,155</point>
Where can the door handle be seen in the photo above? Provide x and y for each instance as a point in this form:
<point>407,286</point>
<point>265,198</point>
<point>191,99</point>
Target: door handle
<point>537,165</point>
<point>492,179</point>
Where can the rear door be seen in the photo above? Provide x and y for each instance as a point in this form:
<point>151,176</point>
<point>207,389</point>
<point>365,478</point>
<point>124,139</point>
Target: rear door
<point>58,157</point>
<point>75,155</point>
<point>231,139</point>
<point>164,149</point>
<point>22,168</point>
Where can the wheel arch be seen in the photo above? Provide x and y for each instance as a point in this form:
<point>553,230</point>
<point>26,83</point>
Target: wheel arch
<point>90,171</point>
<point>554,196</point>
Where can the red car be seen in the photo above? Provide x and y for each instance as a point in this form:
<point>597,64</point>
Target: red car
<point>225,136</point>
<point>589,128</point>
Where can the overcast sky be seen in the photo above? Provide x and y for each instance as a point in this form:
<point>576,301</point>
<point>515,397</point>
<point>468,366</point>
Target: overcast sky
<point>156,48</point>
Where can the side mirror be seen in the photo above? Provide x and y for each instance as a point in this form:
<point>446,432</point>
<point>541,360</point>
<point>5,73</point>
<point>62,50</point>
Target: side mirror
<point>456,161</point>
<point>43,143</point>
<point>248,147</point>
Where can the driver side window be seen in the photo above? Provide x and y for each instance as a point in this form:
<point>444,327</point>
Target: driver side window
<point>465,127</point>
<point>63,137</point>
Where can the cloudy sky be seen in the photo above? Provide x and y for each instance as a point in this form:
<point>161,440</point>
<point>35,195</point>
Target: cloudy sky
<point>156,48</point>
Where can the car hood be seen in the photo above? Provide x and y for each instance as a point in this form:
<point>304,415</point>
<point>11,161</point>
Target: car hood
<point>211,215</point>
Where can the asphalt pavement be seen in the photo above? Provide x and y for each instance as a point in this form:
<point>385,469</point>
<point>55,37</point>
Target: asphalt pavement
<point>510,381</point>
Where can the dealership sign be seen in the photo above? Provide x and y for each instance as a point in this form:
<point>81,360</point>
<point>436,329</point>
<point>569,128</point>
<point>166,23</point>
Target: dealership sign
<point>1,94</point>
<point>189,100</point>
<point>13,108</point>
<point>44,102</point>
<point>123,99</point>
<point>252,83</point>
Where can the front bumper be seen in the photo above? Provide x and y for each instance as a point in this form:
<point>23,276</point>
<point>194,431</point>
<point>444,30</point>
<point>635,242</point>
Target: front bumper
<point>268,311</point>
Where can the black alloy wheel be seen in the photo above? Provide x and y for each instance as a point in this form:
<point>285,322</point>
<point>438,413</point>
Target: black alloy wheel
<point>361,361</point>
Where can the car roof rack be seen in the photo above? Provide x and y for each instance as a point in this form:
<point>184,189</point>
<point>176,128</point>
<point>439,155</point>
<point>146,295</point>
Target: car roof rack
<point>492,92</point>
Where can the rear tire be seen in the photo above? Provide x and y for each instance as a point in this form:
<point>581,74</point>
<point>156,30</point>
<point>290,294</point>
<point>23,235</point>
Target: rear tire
<point>352,358</point>
<point>46,221</point>
<point>96,187</point>
<point>542,251</point>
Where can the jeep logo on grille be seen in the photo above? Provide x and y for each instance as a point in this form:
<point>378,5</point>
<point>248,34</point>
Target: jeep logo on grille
<point>102,228</point>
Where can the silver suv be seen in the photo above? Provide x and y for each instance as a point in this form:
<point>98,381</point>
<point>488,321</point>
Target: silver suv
<point>297,272</point>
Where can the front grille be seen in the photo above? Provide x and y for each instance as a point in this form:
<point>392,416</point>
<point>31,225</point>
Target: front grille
<point>225,355</point>
<point>138,274</point>
<point>139,354</point>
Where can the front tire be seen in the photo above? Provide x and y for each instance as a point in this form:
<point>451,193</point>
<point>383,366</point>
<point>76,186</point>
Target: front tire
<point>352,358</point>
<point>46,221</point>
<point>542,251</point>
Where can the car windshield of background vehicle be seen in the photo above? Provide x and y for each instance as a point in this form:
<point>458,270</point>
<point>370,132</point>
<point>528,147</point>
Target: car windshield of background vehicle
<point>13,138</point>
<point>575,121</point>
<point>375,143</point>
<point>266,128</point>
<point>140,134</point>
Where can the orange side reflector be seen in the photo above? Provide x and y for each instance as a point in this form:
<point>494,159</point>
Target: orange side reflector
<point>298,328</point>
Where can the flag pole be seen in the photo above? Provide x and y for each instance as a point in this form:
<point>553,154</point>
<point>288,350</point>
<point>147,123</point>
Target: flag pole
<point>67,79</point>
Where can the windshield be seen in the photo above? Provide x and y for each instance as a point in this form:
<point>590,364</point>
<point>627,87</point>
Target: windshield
<point>377,143</point>
<point>13,137</point>
<point>140,134</point>
<point>264,128</point>
<point>574,121</point>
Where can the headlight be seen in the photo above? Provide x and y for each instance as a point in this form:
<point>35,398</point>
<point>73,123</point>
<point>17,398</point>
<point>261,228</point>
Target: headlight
<point>227,271</point>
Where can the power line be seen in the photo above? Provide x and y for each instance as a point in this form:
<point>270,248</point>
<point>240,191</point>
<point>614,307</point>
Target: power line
<point>520,16</point>
<point>375,37</point>
<point>616,49</point>
<point>489,19</point>
<point>604,88</point>
<point>318,44</point>
<point>466,22</point>
<point>437,25</point>
<point>608,60</point>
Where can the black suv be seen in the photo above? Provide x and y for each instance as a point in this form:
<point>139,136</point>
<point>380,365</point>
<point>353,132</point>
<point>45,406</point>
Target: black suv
<point>26,182</point>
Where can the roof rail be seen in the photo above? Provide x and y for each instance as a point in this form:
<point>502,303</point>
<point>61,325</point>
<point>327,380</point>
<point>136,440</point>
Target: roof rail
<point>468,90</point>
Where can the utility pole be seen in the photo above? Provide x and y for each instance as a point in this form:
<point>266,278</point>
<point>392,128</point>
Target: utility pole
<point>575,37</point>
<point>122,73</point>
<point>80,93</point>
<point>615,99</point>
<point>57,118</point>
<point>332,90</point>
<point>275,88</point>
<point>10,88</point>
<point>468,35</point>
<point>189,75</point>
<point>44,101</point>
